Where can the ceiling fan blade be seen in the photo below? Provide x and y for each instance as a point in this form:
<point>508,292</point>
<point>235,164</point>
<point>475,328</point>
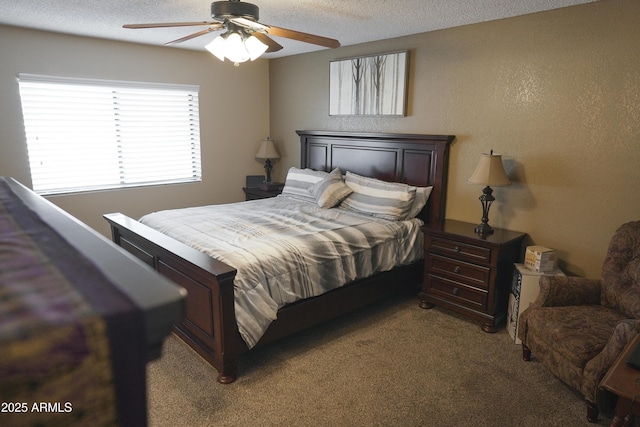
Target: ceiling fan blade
<point>194,35</point>
<point>273,45</point>
<point>303,37</point>
<point>249,23</point>
<point>170,24</point>
<point>283,32</point>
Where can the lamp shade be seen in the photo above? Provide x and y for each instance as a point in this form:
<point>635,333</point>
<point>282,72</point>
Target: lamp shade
<point>255,47</point>
<point>267,150</point>
<point>217,47</point>
<point>490,171</point>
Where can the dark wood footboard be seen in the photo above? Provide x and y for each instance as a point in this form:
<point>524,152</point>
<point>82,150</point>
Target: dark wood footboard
<point>209,325</point>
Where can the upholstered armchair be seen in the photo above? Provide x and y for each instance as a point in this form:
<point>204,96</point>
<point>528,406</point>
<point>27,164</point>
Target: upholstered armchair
<point>577,327</point>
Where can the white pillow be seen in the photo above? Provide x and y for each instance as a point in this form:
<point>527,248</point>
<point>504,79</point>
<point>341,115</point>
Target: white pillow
<point>331,190</point>
<point>422,195</point>
<point>299,181</point>
<point>388,200</point>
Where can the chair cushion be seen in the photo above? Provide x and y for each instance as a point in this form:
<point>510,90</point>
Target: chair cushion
<point>576,333</point>
<point>621,271</point>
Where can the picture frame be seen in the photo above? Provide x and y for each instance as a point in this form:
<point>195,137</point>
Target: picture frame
<point>372,85</point>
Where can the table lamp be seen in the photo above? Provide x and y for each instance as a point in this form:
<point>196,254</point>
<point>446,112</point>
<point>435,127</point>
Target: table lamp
<point>490,172</point>
<point>267,151</point>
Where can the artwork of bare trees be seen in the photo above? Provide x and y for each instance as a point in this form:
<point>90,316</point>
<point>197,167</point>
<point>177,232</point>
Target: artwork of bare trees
<point>369,85</point>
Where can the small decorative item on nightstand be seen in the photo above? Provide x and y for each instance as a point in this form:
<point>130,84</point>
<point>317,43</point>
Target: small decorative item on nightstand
<point>467,272</point>
<point>252,181</point>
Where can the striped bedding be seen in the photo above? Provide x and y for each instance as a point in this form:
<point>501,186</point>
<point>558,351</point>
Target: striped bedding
<point>286,249</point>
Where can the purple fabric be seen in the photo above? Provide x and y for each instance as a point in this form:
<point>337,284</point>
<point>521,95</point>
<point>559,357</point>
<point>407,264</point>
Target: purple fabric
<point>72,320</point>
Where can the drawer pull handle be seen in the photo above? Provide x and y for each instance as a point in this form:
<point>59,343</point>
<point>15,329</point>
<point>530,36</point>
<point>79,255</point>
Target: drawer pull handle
<point>457,269</point>
<point>455,291</point>
<point>456,248</point>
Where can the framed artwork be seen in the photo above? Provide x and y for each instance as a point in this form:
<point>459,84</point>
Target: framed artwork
<point>373,85</point>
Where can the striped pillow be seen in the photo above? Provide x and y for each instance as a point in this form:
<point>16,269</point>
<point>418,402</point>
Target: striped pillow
<point>422,195</point>
<point>299,181</point>
<point>331,190</point>
<point>377,198</point>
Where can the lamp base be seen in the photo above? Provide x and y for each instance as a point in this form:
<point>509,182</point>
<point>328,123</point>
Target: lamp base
<point>267,167</point>
<point>483,228</point>
<point>486,199</point>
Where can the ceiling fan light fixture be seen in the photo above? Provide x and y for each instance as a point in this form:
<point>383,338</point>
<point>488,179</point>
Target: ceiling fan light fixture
<point>237,46</point>
<point>250,38</point>
<point>235,49</point>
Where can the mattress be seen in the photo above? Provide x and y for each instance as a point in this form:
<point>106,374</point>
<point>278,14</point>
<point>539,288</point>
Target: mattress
<point>285,249</point>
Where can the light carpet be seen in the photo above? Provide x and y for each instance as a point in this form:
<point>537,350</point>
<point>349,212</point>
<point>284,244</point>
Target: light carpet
<point>390,364</point>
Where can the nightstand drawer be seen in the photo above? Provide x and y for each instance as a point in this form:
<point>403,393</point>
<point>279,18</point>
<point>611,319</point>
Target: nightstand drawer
<point>459,250</point>
<point>475,275</point>
<point>456,292</point>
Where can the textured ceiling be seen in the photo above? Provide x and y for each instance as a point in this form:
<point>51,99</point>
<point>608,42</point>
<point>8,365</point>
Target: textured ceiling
<point>349,21</point>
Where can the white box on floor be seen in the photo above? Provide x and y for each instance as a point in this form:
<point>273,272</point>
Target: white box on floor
<point>524,290</point>
<point>539,258</point>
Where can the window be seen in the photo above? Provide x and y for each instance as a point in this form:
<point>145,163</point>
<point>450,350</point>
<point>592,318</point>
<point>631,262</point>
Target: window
<point>87,135</point>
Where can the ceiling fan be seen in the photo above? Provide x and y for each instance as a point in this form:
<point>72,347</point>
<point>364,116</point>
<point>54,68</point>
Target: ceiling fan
<point>245,38</point>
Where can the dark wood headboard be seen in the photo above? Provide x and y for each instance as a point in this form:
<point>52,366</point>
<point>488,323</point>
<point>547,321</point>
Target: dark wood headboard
<point>420,160</point>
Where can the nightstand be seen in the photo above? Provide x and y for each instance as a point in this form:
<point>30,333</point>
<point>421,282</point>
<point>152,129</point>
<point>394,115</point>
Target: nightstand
<point>253,193</point>
<point>468,273</point>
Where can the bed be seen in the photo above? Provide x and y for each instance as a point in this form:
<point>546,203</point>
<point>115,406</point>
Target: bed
<point>210,326</point>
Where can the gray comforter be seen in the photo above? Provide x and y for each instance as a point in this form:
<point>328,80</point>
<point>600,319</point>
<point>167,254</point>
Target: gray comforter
<point>286,249</point>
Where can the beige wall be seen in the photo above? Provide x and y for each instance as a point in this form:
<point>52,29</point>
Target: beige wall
<point>234,115</point>
<point>557,93</point>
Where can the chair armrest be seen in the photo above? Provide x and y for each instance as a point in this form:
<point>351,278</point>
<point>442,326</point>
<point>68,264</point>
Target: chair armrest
<point>625,331</point>
<point>567,290</point>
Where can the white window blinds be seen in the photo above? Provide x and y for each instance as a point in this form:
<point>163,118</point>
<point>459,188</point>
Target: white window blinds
<point>87,135</point>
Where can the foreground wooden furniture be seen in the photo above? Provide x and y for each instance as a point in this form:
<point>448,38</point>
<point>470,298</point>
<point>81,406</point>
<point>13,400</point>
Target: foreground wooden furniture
<point>623,382</point>
<point>469,273</point>
<point>210,327</point>
<point>79,319</point>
